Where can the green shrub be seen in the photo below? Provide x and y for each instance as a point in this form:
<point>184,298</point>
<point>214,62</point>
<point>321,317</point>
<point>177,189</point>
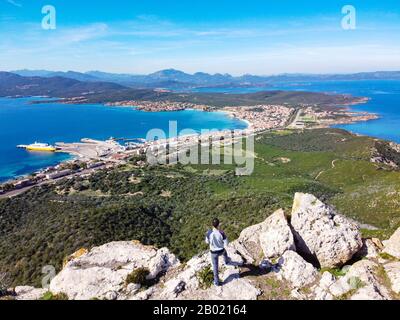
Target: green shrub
<point>205,277</point>
<point>51,296</point>
<point>337,272</point>
<point>387,256</point>
<point>138,276</point>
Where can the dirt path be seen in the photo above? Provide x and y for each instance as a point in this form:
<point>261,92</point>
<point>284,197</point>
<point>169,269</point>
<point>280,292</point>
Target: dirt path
<point>333,167</point>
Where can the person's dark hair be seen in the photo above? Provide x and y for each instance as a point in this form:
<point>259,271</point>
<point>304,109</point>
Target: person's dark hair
<point>215,223</point>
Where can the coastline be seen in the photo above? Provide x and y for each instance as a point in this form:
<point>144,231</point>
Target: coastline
<point>259,118</point>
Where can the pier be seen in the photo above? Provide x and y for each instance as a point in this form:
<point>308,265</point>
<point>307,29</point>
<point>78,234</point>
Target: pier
<point>90,149</point>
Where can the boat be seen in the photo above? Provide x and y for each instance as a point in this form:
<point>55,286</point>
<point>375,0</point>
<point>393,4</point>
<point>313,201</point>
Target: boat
<point>37,146</point>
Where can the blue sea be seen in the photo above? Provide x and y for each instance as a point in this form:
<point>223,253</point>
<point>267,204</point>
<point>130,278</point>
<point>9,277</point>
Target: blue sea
<point>23,123</point>
<point>384,95</point>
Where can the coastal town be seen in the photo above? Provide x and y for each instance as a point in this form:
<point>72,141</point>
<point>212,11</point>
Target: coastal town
<point>91,155</point>
<point>157,106</point>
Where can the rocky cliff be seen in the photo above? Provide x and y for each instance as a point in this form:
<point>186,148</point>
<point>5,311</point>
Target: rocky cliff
<point>311,253</point>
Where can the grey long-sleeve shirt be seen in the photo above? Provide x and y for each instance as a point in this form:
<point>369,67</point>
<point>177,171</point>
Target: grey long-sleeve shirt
<point>216,239</point>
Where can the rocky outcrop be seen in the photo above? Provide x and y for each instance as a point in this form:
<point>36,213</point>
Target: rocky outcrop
<point>363,278</point>
<point>276,237</point>
<point>321,291</point>
<point>275,253</point>
<point>370,248</point>
<point>269,239</point>
<point>323,234</point>
<point>296,270</point>
<point>185,284</point>
<point>29,293</point>
<point>361,282</point>
<point>101,273</point>
<point>392,246</point>
<point>248,244</point>
<point>393,272</point>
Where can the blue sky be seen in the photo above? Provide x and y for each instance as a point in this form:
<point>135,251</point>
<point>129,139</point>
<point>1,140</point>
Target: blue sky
<point>246,36</point>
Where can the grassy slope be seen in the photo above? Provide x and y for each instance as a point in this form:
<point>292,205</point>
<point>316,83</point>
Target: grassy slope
<point>176,203</point>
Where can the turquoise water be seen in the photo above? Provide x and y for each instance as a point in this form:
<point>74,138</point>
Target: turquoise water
<point>384,94</point>
<point>25,123</point>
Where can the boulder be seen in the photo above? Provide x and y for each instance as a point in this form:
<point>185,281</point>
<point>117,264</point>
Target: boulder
<point>233,288</point>
<point>370,248</point>
<point>296,270</point>
<point>392,246</point>
<point>393,272</point>
<point>183,283</point>
<point>368,293</point>
<point>321,294</point>
<point>101,272</point>
<point>269,239</point>
<point>248,243</point>
<point>327,280</point>
<point>370,286</point>
<point>276,236</point>
<point>162,261</point>
<point>361,282</point>
<point>322,234</point>
<point>184,278</point>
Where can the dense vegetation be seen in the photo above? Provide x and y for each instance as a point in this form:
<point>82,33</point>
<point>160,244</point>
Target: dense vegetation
<point>173,205</point>
<point>387,152</point>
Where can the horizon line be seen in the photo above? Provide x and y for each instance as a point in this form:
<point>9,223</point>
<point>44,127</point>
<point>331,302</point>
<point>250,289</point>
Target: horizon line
<point>189,73</point>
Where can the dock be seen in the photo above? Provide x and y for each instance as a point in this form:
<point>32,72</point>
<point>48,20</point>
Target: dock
<point>90,149</point>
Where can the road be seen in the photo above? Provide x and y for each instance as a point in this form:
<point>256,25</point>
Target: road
<point>292,125</point>
<point>18,192</point>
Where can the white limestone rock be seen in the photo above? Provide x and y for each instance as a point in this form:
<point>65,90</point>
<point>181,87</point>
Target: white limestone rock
<point>297,295</point>
<point>29,293</point>
<point>340,287</point>
<point>132,289</point>
<point>104,269</point>
<point>392,246</point>
<point>183,283</point>
<point>269,239</point>
<point>321,294</point>
<point>393,272</point>
<point>370,248</point>
<point>363,281</point>
<point>161,262</point>
<point>276,236</point>
<point>322,233</point>
<point>368,293</point>
<point>233,288</point>
<point>248,243</point>
<point>296,270</point>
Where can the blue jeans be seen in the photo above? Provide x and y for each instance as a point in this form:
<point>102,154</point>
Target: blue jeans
<point>214,261</point>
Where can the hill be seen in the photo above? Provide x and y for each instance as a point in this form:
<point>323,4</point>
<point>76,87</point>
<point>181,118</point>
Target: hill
<point>201,79</point>
<point>172,205</point>
<point>104,92</point>
<point>15,85</point>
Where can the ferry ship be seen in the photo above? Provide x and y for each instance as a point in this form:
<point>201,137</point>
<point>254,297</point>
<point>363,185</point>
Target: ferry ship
<point>37,146</point>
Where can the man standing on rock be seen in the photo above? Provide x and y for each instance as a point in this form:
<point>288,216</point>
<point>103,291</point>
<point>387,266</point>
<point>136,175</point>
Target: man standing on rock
<point>217,241</point>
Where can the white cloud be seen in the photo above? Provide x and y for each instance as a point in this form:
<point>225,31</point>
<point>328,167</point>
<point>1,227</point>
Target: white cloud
<point>16,4</point>
<point>148,44</point>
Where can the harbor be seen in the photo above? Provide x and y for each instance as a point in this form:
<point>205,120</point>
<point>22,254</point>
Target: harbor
<point>37,146</point>
<point>90,155</point>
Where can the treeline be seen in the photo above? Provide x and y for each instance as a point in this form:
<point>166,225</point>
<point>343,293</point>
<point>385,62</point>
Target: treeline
<point>160,206</point>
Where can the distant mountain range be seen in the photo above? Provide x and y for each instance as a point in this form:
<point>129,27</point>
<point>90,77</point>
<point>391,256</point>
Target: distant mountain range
<point>73,91</point>
<point>13,84</point>
<point>175,79</point>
